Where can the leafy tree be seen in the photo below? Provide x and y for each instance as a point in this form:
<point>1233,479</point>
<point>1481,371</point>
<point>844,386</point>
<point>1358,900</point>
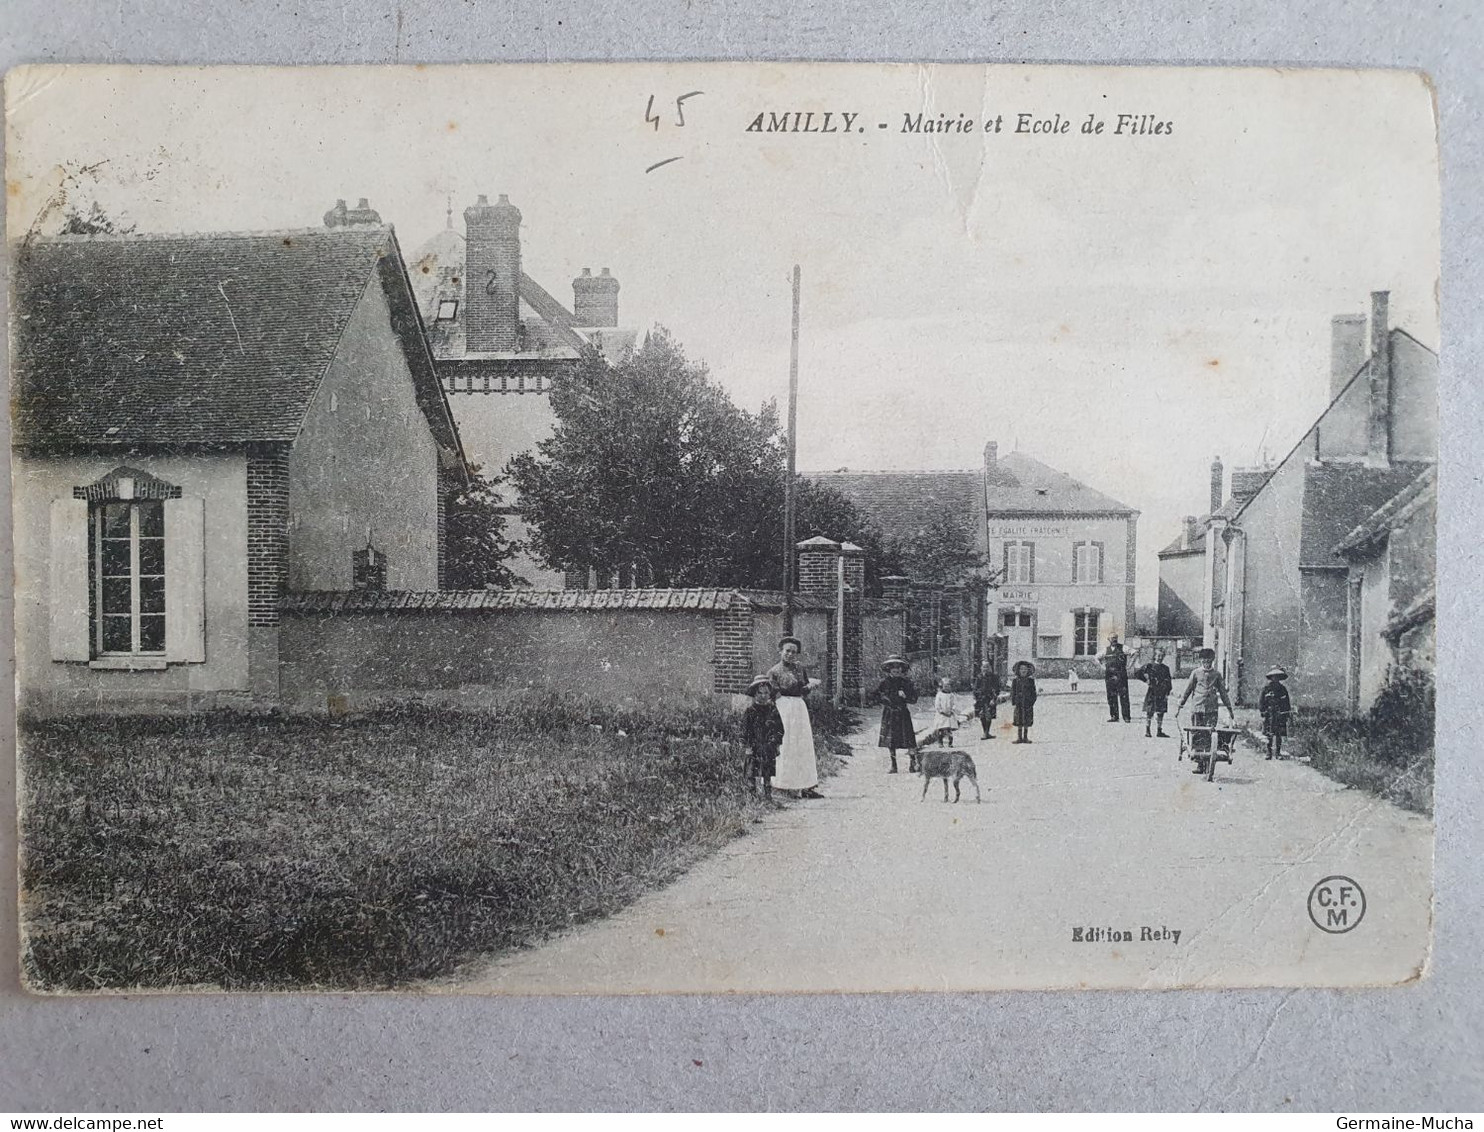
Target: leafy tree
<point>94,222</point>
<point>651,472</point>
<point>944,552</point>
<point>476,546</point>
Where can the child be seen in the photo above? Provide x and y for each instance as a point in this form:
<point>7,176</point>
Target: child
<point>1276,708</point>
<point>895,692</point>
<point>762,735</point>
<point>1072,677</point>
<point>1023,697</point>
<point>1208,690</point>
<point>1156,674</point>
<point>987,698</point>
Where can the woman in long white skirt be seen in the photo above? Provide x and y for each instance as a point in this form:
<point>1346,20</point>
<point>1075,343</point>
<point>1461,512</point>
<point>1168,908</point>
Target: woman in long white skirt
<point>797,769</point>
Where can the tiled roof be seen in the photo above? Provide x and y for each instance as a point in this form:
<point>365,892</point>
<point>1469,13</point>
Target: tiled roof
<point>456,601</point>
<point>1179,547</point>
<point>903,503</point>
<point>195,339</point>
<point>1379,523</point>
<point>1023,483</point>
<point>556,316</point>
<point>1338,497</point>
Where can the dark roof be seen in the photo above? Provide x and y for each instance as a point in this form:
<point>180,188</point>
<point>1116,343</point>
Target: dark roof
<point>1178,547</point>
<point>458,601</point>
<point>1022,483</point>
<point>1378,524</point>
<point>196,339</point>
<point>1338,497</point>
<point>902,503</point>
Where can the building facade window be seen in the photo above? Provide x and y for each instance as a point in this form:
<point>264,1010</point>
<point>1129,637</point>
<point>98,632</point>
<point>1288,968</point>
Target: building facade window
<point>128,577</point>
<point>1085,634</point>
<point>1010,618</point>
<point>1087,563</point>
<point>448,310</point>
<point>1020,563</point>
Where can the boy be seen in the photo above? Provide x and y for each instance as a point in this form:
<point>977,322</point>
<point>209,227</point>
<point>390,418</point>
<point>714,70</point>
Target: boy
<point>1208,690</point>
<point>762,735</point>
<point>1156,675</point>
<point>1276,708</point>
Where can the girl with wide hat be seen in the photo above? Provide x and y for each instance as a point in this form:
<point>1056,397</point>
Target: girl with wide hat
<point>797,768</point>
<point>896,691</point>
<point>1276,708</point>
<point>1023,699</point>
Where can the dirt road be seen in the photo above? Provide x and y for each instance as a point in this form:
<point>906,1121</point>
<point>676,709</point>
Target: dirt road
<point>1089,832</point>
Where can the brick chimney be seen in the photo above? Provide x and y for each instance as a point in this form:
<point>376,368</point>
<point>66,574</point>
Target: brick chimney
<point>492,275</point>
<point>1217,477</point>
<point>362,215</point>
<point>1192,532</point>
<point>1347,350</point>
<point>1378,431</point>
<point>595,299</point>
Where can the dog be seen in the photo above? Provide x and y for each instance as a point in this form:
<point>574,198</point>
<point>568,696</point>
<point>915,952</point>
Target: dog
<point>956,765</point>
<point>942,736</point>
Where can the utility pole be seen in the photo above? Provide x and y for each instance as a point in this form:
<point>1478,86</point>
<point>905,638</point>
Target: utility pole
<point>788,490</point>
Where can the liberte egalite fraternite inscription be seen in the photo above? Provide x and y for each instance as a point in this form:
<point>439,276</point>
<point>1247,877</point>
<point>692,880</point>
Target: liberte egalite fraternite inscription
<point>694,528</point>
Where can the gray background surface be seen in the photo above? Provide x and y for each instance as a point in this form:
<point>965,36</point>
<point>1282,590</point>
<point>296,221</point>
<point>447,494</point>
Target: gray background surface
<point>1414,1048</point>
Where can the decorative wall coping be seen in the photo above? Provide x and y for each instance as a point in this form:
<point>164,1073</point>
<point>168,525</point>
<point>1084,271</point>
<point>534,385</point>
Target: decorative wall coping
<point>460,601</point>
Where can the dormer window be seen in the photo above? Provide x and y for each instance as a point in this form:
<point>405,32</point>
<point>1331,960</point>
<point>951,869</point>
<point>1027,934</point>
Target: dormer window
<point>368,569</point>
<point>448,310</point>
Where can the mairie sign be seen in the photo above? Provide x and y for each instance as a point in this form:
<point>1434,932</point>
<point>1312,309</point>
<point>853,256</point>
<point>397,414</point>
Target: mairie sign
<point>1018,595</point>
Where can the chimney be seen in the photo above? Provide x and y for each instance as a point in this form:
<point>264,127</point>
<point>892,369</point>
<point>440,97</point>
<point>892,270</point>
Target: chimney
<point>1216,480</point>
<point>1347,350</point>
<point>492,275</point>
<point>595,299</point>
<point>991,459</point>
<point>1192,532</point>
<point>362,215</point>
<point>1378,432</point>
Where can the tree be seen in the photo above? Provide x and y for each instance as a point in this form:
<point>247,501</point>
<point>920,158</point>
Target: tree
<point>944,552</point>
<point>652,473</point>
<point>475,543</point>
<point>95,222</point>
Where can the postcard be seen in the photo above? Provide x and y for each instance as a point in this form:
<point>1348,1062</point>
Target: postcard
<point>628,528</point>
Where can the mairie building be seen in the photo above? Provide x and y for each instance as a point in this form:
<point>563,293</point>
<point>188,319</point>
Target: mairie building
<point>1061,553</point>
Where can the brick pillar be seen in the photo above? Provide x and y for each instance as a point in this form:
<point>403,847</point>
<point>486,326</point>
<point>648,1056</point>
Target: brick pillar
<point>267,565</point>
<point>732,650</point>
<point>853,679</point>
<point>819,578</point>
<point>447,487</point>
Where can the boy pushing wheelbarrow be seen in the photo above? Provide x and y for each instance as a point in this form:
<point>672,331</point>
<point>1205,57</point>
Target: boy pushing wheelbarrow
<point>1208,743</point>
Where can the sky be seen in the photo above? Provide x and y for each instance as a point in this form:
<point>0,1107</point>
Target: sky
<point>1121,307</point>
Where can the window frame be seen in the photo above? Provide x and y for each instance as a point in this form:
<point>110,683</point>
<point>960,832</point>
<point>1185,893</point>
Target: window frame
<point>98,614</point>
<point>452,315</point>
<point>1020,553</point>
<point>1085,626</point>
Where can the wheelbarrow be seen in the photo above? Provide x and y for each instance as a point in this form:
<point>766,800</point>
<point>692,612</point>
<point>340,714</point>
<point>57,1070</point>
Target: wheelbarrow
<point>1208,746</point>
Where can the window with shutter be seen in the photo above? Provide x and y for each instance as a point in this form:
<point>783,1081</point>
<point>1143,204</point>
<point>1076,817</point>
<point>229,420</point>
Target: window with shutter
<point>1098,558</point>
<point>128,571</point>
<point>1030,555</point>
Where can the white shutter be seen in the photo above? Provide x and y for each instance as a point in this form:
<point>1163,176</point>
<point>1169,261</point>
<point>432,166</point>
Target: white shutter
<point>1068,633</point>
<point>185,580</point>
<point>68,589</point>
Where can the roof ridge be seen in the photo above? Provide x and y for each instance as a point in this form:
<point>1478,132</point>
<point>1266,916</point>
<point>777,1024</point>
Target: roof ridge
<point>897,472</point>
<point>226,233</point>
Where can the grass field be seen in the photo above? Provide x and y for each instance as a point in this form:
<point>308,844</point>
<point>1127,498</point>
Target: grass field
<point>240,851</point>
